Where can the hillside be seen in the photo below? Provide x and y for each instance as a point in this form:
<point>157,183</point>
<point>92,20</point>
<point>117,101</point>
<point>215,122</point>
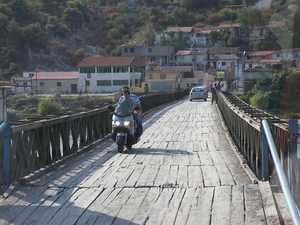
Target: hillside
<point>38,35</point>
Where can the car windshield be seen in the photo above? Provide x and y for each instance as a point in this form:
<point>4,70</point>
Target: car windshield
<point>124,108</point>
<point>198,90</point>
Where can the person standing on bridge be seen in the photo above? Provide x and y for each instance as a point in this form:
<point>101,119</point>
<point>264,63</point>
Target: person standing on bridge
<point>136,115</point>
<point>213,90</point>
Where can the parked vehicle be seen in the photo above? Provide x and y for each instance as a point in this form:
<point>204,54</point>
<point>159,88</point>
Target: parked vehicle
<point>123,125</point>
<point>198,93</point>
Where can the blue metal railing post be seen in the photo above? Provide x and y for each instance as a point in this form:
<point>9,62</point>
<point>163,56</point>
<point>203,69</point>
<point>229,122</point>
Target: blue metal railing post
<point>265,155</point>
<point>5,132</point>
<point>293,131</point>
<point>282,179</point>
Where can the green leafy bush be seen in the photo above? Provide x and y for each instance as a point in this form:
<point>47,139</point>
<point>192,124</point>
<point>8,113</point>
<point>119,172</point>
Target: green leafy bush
<point>260,100</point>
<point>47,107</point>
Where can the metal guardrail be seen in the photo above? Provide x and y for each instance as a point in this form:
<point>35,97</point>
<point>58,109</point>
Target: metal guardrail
<point>36,144</point>
<point>245,126</point>
<point>284,184</point>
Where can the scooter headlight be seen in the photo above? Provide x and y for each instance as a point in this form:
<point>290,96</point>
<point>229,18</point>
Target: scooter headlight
<point>127,123</point>
<point>116,123</point>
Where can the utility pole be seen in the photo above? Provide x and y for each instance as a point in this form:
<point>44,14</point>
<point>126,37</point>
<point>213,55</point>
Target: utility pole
<point>4,86</point>
<point>36,90</point>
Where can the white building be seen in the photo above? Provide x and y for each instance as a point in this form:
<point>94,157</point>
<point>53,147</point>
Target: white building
<point>191,58</point>
<point>109,74</point>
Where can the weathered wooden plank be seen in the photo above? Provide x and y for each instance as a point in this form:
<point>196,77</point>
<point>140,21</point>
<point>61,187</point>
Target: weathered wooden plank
<point>148,176</point>
<point>182,176</point>
<point>201,207</point>
<point>225,175</point>
<point>210,176</point>
<point>47,199</point>
<point>189,197</point>
<point>205,158</point>
<point>71,210</point>
<point>253,204</point>
<point>237,205</point>
<point>173,206</point>
<point>195,176</point>
<point>221,211</point>
<point>162,176</point>
<point>111,210</point>
<point>96,207</point>
<point>54,207</point>
<point>159,209</point>
<point>142,213</point>
<point>134,176</point>
<point>268,203</point>
<point>131,206</point>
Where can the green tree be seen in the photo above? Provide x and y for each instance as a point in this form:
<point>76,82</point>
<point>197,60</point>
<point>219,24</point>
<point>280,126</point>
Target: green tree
<point>3,23</point>
<point>35,36</point>
<point>291,92</point>
<point>194,5</point>
<point>250,18</point>
<point>269,43</point>
<point>13,35</point>
<point>47,107</point>
<point>56,27</point>
<point>147,32</point>
<point>47,6</point>
<point>261,100</point>
<point>8,55</point>
<point>81,6</point>
<point>73,16</point>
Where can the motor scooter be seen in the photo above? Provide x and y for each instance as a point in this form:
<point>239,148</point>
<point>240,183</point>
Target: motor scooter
<point>123,125</point>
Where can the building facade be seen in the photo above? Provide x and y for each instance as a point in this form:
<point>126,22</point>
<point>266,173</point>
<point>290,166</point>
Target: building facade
<point>109,74</point>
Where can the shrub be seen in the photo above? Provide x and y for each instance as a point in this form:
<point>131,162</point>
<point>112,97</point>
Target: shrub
<point>260,100</point>
<point>47,107</point>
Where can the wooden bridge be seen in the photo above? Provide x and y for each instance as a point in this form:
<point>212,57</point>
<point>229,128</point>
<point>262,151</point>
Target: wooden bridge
<point>184,170</point>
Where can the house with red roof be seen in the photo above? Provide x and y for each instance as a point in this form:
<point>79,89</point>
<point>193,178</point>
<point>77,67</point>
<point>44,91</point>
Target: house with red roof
<point>109,74</point>
<point>196,59</point>
<point>55,82</point>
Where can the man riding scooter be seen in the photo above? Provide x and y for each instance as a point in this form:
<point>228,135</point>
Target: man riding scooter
<point>137,114</point>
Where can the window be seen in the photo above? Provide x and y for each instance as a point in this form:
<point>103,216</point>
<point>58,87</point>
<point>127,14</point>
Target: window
<point>24,83</point>
<point>223,63</point>
<point>131,49</point>
<point>87,83</point>
<point>162,76</point>
<point>149,49</point>
<point>103,82</point>
<point>125,50</point>
<point>120,82</point>
<point>150,76</point>
<point>58,84</point>
<point>250,65</point>
<point>89,75</point>
<point>123,69</point>
<point>105,69</point>
<point>41,84</point>
<point>261,32</point>
<point>31,75</point>
<point>138,69</point>
<point>87,70</point>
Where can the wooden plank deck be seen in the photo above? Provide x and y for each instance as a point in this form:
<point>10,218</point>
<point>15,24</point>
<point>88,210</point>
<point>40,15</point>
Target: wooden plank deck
<point>183,171</point>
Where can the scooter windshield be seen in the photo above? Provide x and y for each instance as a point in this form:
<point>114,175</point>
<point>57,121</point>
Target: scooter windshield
<point>124,108</point>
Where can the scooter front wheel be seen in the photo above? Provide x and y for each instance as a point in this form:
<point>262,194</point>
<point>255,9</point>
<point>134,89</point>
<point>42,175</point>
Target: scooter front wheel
<point>120,142</point>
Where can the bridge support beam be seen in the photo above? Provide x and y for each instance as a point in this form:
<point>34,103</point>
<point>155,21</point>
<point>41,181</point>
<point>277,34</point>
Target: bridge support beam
<point>265,155</point>
<point>293,159</point>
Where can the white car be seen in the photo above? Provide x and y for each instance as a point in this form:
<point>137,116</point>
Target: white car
<point>198,93</point>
